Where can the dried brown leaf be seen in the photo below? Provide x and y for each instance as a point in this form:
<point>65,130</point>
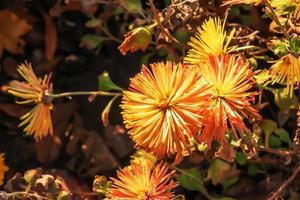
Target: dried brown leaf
<point>12,28</point>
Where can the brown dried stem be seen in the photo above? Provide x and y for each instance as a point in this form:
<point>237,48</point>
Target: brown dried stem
<point>277,193</point>
<point>158,20</point>
<point>275,18</point>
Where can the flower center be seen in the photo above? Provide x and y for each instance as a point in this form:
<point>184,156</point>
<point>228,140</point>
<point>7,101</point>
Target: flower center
<point>163,103</point>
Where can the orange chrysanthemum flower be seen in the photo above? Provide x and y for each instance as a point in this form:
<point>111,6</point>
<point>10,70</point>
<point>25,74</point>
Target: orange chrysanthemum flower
<point>3,168</point>
<point>161,108</point>
<point>210,39</point>
<point>38,121</point>
<point>142,182</point>
<point>232,2</point>
<point>230,79</point>
<point>286,71</point>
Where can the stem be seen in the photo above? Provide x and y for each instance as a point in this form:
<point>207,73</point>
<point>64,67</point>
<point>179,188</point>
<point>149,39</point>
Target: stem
<point>92,93</point>
<point>158,20</point>
<point>110,36</point>
<point>275,18</point>
<point>274,151</point>
<point>276,194</point>
<point>23,194</point>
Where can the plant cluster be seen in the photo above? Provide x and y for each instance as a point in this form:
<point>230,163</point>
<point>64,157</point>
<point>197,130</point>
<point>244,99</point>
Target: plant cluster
<point>224,94</point>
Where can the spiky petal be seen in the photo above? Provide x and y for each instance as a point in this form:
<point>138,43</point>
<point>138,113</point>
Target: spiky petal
<point>38,121</point>
<point>287,71</point>
<point>142,181</point>
<point>161,108</point>
<point>231,101</point>
<point>210,39</point>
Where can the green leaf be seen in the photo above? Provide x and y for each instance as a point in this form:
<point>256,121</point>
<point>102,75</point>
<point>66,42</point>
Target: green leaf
<point>274,141</point>
<point>133,6</point>
<point>182,36</point>
<point>253,169</point>
<point>228,183</point>
<point>31,175</point>
<point>294,45</point>
<point>101,185</point>
<point>240,158</point>
<point>145,58</point>
<point>224,198</point>
<point>268,126</point>
<point>283,100</point>
<point>283,135</point>
<point>217,171</point>
<point>90,41</point>
<point>234,11</point>
<point>93,23</point>
<point>282,117</point>
<point>280,47</point>
<point>191,179</point>
<point>106,84</point>
<point>64,195</point>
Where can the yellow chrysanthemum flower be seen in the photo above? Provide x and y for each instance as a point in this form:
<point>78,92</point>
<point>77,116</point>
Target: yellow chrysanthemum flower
<point>230,79</point>
<point>141,182</point>
<point>38,121</point>
<point>232,2</point>
<point>161,108</point>
<point>210,39</point>
<point>3,168</point>
<point>287,71</point>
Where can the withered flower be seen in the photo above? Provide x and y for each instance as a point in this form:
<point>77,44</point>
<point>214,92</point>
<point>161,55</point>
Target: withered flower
<point>287,71</point>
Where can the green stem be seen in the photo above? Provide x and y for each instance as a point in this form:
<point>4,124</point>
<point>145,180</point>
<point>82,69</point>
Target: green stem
<point>110,36</point>
<point>80,93</point>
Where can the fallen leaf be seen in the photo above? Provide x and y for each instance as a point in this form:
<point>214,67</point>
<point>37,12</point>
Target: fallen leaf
<point>50,36</point>
<point>12,28</point>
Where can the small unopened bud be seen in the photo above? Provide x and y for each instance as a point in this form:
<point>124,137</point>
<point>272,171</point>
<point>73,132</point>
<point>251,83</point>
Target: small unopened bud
<point>138,38</point>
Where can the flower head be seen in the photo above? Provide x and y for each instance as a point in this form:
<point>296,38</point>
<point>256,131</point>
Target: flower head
<point>161,108</point>
<point>3,168</point>
<point>38,121</point>
<point>142,182</point>
<point>230,79</point>
<point>210,39</point>
<point>138,38</point>
<point>287,71</point>
<point>232,2</point>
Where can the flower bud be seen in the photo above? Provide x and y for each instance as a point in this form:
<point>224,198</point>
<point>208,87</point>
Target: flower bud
<point>138,38</point>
